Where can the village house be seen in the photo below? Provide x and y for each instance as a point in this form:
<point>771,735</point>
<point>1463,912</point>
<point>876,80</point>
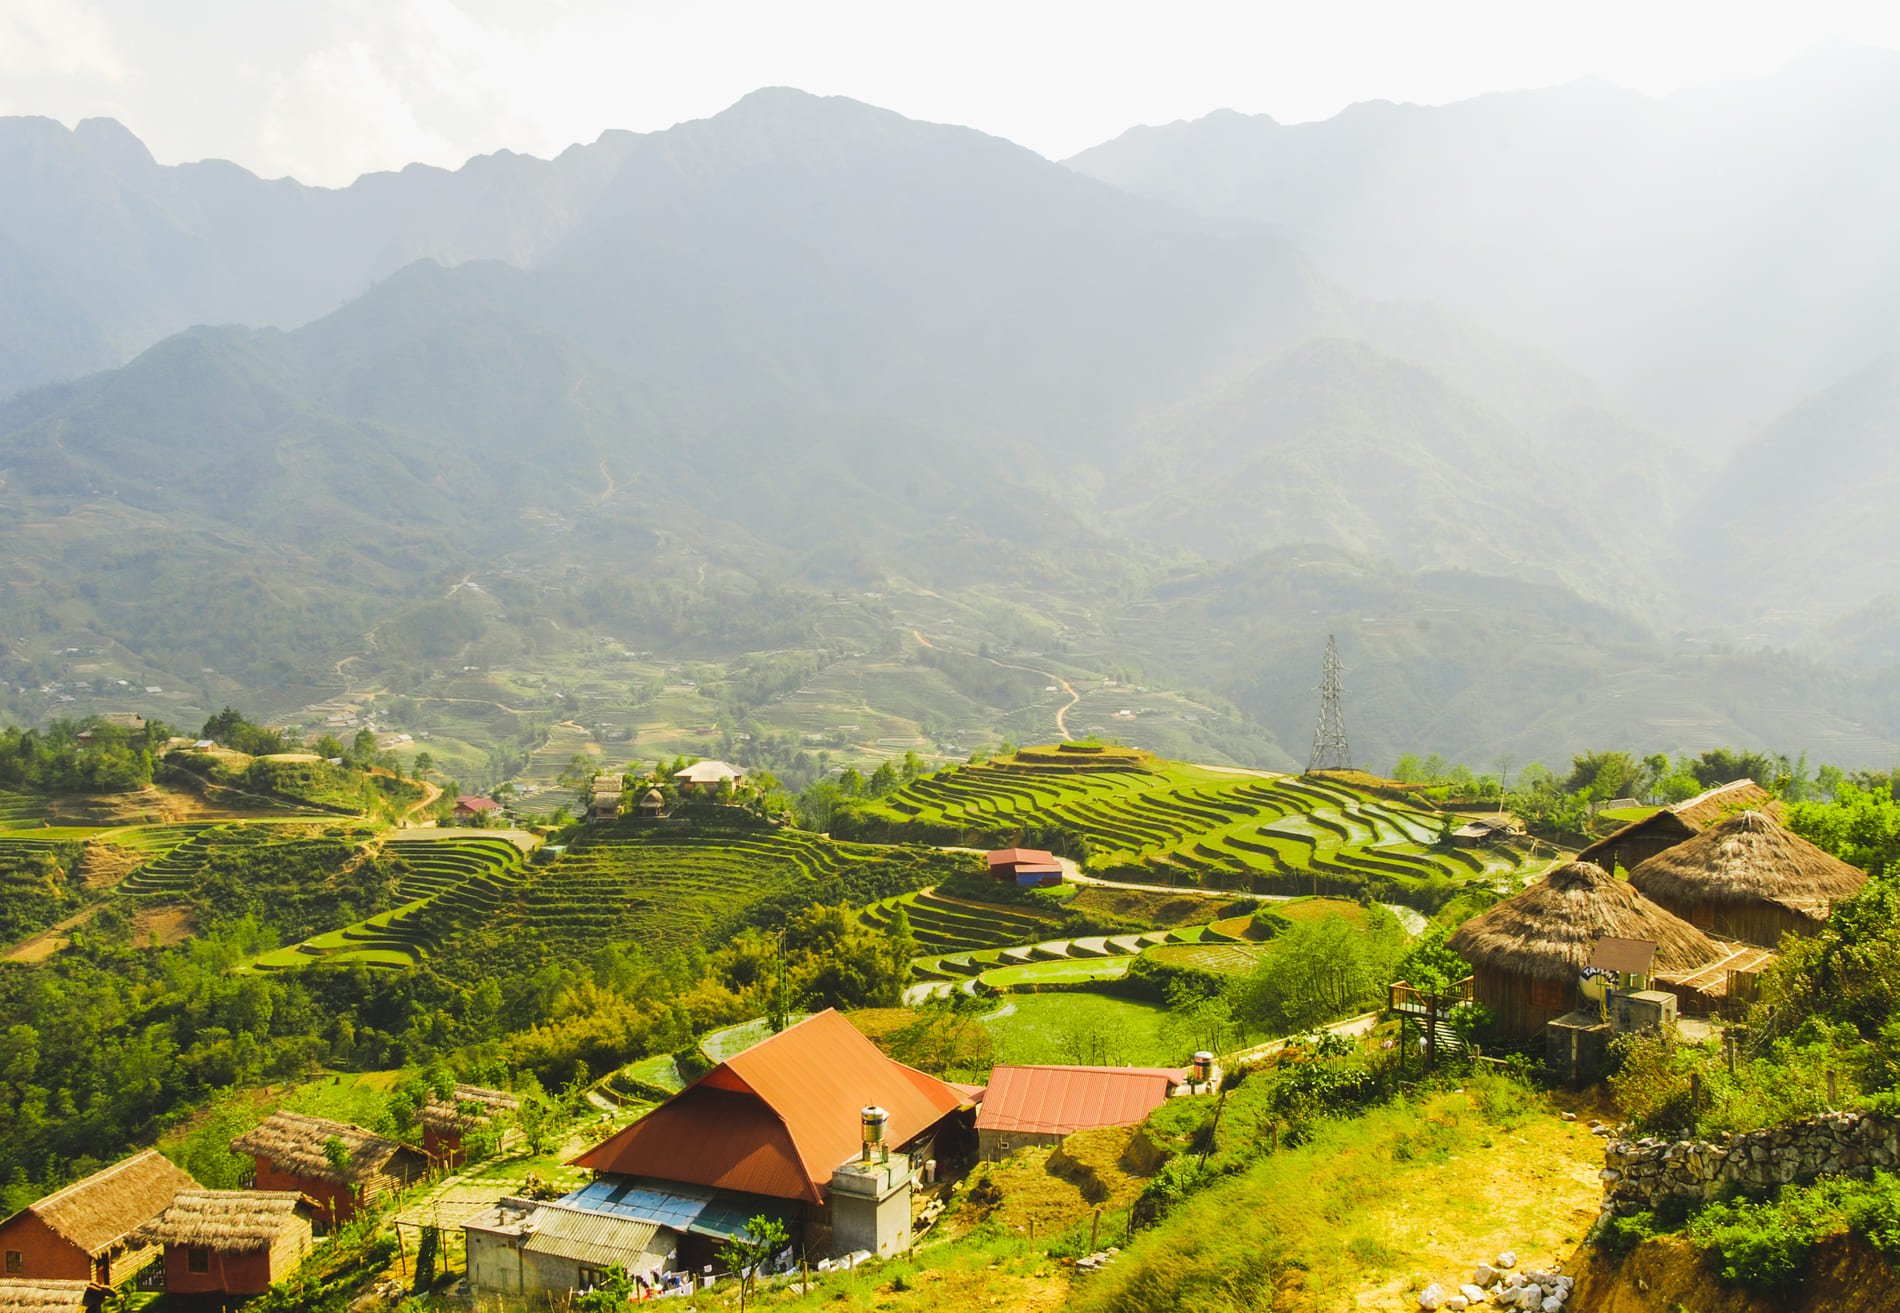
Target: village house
<point>814,1126</point>
<point>603,799</point>
<point>1747,878</point>
<point>706,777</point>
<point>470,807</point>
<point>652,805</point>
<point>445,1122</point>
<point>1027,867</point>
<point>1641,840</point>
<point>292,1153</point>
<point>525,1247</point>
<point>1528,953</point>
<point>1034,1105</point>
<point>88,1232</point>
<point>232,1242</point>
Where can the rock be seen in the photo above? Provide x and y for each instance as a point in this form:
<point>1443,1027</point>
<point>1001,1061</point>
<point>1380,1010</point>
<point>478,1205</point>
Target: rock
<point>1473,1292</point>
<point>1456,1303</point>
<point>1483,1275</point>
<point>1433,1296</point>
<point>1568,1116</point>
<point>1530,1297</point>
<point>1506,1260</point>
<point>1553,1303</point>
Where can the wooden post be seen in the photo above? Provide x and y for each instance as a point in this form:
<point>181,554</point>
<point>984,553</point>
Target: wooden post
<point>1095,1225</point>
<point>1833,1095</point>
<point>1431,1032</point>
<point>1695,1091</point>
<point>401,1252</point>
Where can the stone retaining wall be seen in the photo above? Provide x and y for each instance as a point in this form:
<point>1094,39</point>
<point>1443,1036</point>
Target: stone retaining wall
<point>1642,1174</point>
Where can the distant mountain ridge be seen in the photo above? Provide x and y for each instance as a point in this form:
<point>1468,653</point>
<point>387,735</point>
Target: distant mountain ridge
<point>681,386</point>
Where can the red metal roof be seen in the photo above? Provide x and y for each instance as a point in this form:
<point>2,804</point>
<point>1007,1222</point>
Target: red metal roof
<point>475,804</point>
<point>1057,1100</point>
<point>776,1119</point>
<point>1021,856</point>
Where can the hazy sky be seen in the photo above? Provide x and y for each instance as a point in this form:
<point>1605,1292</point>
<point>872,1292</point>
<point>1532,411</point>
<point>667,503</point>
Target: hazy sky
<point>327,89</point>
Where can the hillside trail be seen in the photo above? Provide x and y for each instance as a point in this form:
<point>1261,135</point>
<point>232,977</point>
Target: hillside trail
<point>1062,713</point>
<point>431,792</point>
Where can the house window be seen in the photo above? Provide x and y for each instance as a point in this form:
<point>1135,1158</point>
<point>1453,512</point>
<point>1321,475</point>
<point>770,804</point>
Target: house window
<point>592,1277</point>
<point>197,1260</point>
<point>16,1263</point>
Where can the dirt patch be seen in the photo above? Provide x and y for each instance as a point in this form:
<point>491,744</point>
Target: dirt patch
<point>168,924</point>
<point>1147,906</point>
<point>1662,1276</point>
<point>156,804</point>
<point>102,865</point>
<point>1040,1192</point>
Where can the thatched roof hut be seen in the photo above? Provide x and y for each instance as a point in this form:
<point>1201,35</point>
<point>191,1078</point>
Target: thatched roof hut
<point>1748,878</point>
<point>230,1220</point>
<point>467,1106</point>
<point>1641,840</point>
<point>87,1231</point>
<point>295,1143</point>
<point>1527,951</point>
<point>18,1296</point>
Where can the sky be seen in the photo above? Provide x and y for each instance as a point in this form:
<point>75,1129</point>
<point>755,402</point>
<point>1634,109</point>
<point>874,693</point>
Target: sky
<point>325,90</point>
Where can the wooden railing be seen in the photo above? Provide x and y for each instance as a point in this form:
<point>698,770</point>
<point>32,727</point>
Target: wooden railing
<point>1405,997</point>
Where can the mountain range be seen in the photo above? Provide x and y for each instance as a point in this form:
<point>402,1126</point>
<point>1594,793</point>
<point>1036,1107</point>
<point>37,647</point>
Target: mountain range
<point>809,346</point>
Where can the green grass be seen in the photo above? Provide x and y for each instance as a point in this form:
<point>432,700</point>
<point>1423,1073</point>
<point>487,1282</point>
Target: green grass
<point>1057,972</point>
<point>734,1040</point>
<point>1083,1028</point>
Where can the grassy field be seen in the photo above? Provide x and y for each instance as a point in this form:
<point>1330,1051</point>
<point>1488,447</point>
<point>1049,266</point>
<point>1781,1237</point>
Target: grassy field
<point>1129,815</point>
<point>1082,1028</point>
<point>1056,972</point>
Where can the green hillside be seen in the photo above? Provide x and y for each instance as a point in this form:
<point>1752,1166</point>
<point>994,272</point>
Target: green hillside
<point>1127,815</point>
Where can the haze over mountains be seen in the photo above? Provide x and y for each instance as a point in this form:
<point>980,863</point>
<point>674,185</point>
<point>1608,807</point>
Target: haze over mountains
<point>1527,396</point>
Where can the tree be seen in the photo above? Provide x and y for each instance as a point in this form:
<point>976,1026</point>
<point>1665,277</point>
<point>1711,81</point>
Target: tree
<point>337,1154</point>
<point>1723,765</point>
<point>1601,776</point>
<point>749,1251</point>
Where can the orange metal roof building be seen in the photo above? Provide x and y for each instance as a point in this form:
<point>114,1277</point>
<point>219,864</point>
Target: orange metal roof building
<point>1021,857</point>
<point>1058,1100</point>
<point>776,1119</point>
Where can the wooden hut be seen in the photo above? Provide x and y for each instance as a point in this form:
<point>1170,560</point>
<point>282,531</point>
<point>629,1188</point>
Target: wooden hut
<point>50,1296</point>
<point>232,1242</point>
<point>1641,840</point>
<point>652,806</point>
<point>446,1121</point>
<point>1747,878</point>
<point>1527,952</point>
<point>292,1153</point>
<point>88,1232</point>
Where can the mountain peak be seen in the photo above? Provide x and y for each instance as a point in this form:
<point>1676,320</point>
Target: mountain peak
<point>111,140</point>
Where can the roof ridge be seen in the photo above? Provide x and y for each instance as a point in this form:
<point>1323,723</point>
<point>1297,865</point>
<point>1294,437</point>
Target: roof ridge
<point>96,1178</point>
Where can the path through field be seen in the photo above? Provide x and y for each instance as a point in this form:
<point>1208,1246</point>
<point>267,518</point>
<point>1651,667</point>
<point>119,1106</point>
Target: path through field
<point>1062,712</point>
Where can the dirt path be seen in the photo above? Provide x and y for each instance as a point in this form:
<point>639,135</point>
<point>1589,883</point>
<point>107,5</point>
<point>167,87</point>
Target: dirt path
<point>1062,712</point>
<point>430,792</point>
<point>1351,1026</point>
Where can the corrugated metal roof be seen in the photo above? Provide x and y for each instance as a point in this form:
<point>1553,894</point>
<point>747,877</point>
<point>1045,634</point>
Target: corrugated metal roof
<point>777,1118</point>
<point>1058,1100</point>
<point>596,1239</point>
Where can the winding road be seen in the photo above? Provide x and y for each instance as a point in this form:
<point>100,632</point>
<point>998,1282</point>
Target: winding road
<point>1062,712</point>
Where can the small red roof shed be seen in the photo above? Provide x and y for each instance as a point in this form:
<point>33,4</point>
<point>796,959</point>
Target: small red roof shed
<point>1021,857</point>
<point>472,804</point>
<point>1059,1100</point>
<point>776,1119</point>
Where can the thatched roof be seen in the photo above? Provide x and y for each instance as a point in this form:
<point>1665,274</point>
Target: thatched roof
<point>98,1211</point>
<point>293,1143</point>
<point>1693,815</point>
<point>1550,929</point>
<point>467,1106</point>
<point>18,1296</point>
<point>1748,857</point>
<point>227,1220</point>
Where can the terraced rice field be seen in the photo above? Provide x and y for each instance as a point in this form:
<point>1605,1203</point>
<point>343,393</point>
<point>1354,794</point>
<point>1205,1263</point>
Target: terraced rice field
<point>20,809</point>
<point>447,882</point>
<point>1221,959</point>
<point>1131,816</point>
<point>673,887</point>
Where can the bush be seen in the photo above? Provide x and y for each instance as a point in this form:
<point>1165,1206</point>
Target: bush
<point>1766,1245</point>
